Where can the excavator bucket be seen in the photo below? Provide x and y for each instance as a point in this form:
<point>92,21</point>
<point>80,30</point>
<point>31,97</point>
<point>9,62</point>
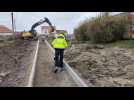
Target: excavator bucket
<point>51,29</point>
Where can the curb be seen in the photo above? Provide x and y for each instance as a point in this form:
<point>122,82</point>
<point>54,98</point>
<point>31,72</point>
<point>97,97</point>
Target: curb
<point>32,74</point>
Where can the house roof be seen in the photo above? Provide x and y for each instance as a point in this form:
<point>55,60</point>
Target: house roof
<point>4,29</point>
<point>129,14</point>
<point>125,13</point>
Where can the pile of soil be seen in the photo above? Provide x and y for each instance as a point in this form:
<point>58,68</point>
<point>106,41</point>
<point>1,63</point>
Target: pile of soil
<point>15,62</point>
<point>102,66</point>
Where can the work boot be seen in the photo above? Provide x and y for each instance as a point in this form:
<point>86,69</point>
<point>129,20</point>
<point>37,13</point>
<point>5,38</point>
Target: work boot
<point>56,69</point>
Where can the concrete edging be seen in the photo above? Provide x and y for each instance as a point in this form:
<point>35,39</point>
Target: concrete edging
<point>32,74</point>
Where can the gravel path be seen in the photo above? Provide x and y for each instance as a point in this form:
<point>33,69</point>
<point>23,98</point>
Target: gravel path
<point>44,76</point>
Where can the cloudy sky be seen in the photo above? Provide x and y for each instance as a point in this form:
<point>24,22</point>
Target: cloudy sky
<point>62,20</point>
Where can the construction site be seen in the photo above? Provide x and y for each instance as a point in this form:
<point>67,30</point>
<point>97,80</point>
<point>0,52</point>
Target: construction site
<point>90,60</point>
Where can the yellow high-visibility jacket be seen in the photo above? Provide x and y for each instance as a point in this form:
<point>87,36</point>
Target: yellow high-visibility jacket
<point>59,43</point>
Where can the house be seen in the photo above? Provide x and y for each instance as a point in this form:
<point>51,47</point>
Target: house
<point>130,15</point>
<point>5,30</point>
<point>46,29</point>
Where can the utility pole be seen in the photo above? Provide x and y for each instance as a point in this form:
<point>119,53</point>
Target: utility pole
<point>14,25</point>
<point>12,17</point>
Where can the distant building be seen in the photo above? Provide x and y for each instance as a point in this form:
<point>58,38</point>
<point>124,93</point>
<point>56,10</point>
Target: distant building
<point>69,36</point>
<point>60,31</point>
<point>45,29</point>
<point>5,30</point>
<point>130,15</point>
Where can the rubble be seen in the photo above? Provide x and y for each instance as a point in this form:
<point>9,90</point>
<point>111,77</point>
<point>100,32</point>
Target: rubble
<point>3,74</point>
<point>102,67</point>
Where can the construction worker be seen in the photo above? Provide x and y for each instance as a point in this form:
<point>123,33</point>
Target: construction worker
<point>59,43</point>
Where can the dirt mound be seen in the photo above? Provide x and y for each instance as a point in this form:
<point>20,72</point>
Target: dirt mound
<point>15,60</point>
<point>102,67</point>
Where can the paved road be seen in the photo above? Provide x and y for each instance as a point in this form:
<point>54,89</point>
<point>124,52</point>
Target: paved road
<point>44,76</point>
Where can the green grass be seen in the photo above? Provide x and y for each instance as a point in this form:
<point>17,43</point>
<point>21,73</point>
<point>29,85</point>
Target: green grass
<point>122,44</point>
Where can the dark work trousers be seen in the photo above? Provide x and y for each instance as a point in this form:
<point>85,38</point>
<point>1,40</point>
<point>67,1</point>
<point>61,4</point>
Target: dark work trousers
<point>59,57</point>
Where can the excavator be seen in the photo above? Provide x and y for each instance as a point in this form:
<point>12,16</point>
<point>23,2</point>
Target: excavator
<point>32,34</point>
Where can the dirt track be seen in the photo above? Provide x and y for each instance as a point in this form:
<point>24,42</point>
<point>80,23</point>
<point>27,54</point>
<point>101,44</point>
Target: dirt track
<point>44,76</point>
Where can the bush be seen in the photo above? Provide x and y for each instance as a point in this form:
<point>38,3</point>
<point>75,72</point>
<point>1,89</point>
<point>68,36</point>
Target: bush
<point>81,32</point>
<point>103,29</point>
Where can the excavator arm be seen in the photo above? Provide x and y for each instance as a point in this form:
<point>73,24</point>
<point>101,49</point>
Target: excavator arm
<point>41,22</point>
